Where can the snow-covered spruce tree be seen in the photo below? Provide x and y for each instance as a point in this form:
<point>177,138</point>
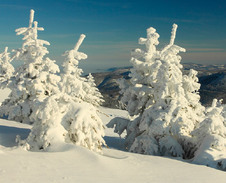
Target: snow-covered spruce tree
<point>72,81</point>
<point>33,81</point>
<point>82,122</point>
<point>6,68</point>
<point>138,92</point>
<point>84,126</point>
<point>211,137</point>
<point>47,131</point>
<point>165,122</point>
<point>65,117</point>
<point>93,94</point>
<point>59,119</point>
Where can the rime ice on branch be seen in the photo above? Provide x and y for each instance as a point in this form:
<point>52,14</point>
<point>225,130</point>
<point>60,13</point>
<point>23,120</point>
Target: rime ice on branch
<point>173,34</point>
<point>78,44</point>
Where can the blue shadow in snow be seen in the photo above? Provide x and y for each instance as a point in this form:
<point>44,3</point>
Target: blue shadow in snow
<point>8,135</point>
<point>115,142</point>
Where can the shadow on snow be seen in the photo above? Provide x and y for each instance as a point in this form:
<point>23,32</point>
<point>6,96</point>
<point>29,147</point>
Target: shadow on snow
<point>8,135</point>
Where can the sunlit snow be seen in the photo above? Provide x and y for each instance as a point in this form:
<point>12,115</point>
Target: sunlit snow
<point>76,164</point>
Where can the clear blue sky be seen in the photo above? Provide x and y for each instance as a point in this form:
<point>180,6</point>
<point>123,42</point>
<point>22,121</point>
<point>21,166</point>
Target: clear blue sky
<point>113,27</point>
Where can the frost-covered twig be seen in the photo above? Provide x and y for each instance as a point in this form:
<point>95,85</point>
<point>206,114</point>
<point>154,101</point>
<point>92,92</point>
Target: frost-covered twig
<point>173,34</point>
<point>78,44</point>
<point>172,38</point>
<point>31,18</point>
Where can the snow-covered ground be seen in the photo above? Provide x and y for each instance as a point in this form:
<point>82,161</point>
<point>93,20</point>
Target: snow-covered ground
<point>72,164</point>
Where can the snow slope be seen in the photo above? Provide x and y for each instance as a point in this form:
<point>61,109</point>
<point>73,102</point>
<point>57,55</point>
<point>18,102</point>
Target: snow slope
<point>75,164</point>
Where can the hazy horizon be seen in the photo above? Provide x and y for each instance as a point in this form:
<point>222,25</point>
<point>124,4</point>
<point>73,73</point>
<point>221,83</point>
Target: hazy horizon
<point>112,28</point>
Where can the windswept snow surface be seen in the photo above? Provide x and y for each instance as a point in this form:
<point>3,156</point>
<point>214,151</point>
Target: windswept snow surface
<point>70,164</point>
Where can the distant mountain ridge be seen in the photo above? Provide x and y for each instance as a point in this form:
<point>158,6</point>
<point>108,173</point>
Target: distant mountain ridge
<point>211,77</point>
<point>213,86</point>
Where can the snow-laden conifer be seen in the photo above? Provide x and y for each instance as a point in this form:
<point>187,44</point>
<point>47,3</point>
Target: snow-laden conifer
<point>47,131</point>
<point>81,121</point>
<point>211,137</point>
<point>84,126</point>
<point>59,119</point>
<point>72,81</point>
<point>66,117</point>
<point>35,79</point>
<point>6,68</point>
<point>165,120</point>
<point>138,92</point>
<point>93,95</point>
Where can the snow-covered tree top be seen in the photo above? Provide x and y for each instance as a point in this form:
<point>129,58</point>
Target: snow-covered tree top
<point>32,48</point>
<point>150,42</point>
<point>31,32</point>
<point>31,17</point>
<point>72,82</point>
<point>151,53</point>
<point>75,53</point>
<point>78,44</point>
<point>171,46</point>
<point>173,34</point>
<point>73,56</point>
